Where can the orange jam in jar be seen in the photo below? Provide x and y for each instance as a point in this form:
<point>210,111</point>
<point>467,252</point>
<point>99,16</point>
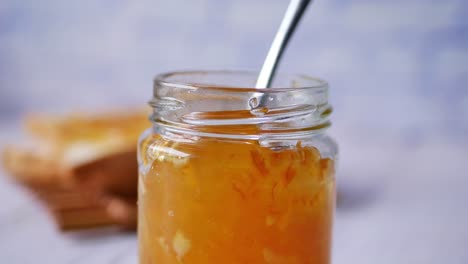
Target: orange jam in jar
<point>236,175</point>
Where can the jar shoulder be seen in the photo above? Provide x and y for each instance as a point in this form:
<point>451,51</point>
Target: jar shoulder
<point>325,144</point>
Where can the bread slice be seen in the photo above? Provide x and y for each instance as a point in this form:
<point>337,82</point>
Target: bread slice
<point>78,159</point>
<point>33,168</point>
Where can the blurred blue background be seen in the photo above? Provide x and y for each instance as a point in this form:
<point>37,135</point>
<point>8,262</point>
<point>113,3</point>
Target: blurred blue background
<point>400,66</point>
<point>398,72</point>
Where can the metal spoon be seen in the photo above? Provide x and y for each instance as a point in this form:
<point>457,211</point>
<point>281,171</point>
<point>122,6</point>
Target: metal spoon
<point>291,18</point>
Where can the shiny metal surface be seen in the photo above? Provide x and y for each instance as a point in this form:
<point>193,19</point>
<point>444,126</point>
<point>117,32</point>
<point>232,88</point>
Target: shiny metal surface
<point>291,18</point>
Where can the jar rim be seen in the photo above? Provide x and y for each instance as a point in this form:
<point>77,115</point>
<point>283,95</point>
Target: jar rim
<point>225,103</point>
<point>170,79</point>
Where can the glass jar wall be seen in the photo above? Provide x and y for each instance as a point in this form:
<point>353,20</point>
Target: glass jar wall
<point>232,174</point>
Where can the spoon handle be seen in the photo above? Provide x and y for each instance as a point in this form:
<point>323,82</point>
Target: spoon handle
<point>291,18</point>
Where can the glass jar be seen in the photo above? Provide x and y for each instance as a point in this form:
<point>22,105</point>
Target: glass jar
<point>234,174</point>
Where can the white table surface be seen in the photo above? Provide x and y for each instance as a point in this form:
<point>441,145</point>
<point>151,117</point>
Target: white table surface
<point>397,204</point>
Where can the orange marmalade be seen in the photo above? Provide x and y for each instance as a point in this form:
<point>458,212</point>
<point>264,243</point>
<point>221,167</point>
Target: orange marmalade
<point>230,202</point>
<point>212,198</point>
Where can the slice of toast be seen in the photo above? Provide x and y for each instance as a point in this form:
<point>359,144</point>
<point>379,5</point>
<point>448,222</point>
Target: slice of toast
<point>33,168</point>
<point>77,160</point>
